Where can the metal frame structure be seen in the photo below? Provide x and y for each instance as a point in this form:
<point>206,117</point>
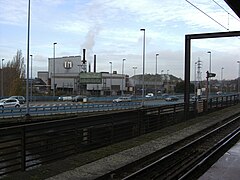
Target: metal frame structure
<point>188,39</point>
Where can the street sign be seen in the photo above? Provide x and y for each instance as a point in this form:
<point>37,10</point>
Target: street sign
<point>210,74</point>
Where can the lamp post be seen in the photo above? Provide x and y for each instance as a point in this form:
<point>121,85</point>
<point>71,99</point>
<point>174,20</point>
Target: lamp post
<point>110,78</point>
<point>222,79</point>
<point>143,81</point>
<point>54,53</point>
<point>78,84</point>
<point>31,78</point>
<point>210,70</point>
<point>134,72</point>
<point>156,76</point>
<point>28,44</point>
<point>167,80</point>
<point>2,78</point>
<point>122,73</point>
<point>238,76</point>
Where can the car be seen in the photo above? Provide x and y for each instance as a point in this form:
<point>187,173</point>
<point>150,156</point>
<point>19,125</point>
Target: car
<point>149,95</point>
<point>65,98</point>
<point>11,102</point>
<point>196,98</point>
<point>79,98</point>
<point>165,95</point>
<point>219,93</point>
<point>122,99</point>
<point>171,98</point>
<point>21,99</point>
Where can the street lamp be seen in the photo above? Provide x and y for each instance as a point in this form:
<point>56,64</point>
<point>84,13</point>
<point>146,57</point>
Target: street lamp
<point>2,77</point>
<point>143,82</point>
<point>28,45</point>
<point>134,72</point>
<point>31,78</point>
<point>110,78</point>
<point>78,83</point>
<point>222,79</point>
<point>54,70</point>
<point>156,76</point>
<point>167,80</point>
<point>210,70</point>
<point>238,76</point>
<point>122,73</point>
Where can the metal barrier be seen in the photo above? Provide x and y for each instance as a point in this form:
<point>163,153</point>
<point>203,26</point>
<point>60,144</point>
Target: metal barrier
<point>51,110</point>
<point>24,147</point>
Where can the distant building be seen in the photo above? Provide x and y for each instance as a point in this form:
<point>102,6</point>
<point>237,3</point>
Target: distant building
<point>71,75</point>
<point>66,72</point>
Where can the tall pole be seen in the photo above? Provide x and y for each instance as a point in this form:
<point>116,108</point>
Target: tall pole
<point>2,78</point>
<point>31,79</point>
<point>54,54</point>
<point>238,76</point>
<point>110,78</point>
<point>122,73</point>
<point>143,82</point>
<point>27,82</point>
<point>156,76</point>
<point>210,70</point>
<point>222,79</point>
<point>167,80</point>
<point>134,72</point>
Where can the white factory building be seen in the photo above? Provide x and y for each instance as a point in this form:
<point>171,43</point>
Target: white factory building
<point>71,75</point>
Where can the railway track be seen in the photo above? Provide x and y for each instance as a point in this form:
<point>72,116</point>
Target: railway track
<point>186,159</point>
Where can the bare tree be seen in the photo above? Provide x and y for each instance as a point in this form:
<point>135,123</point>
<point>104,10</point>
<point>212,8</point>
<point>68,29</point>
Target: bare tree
<point>14,74</point>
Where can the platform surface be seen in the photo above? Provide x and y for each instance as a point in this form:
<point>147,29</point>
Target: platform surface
<point>227,167</point>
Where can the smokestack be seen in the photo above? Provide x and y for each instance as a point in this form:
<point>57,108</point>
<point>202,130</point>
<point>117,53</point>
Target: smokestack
<point>84,56</point>
<point>94,62</point>
<point>89,67</point>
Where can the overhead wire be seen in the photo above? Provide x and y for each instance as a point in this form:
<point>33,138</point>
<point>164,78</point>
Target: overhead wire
<point>207,15</point>
<point>226,10</point>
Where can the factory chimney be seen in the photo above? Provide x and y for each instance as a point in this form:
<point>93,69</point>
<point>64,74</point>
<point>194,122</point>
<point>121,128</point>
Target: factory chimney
<point>84,66</point>
<point>84,56</point>
<point>94,63</point>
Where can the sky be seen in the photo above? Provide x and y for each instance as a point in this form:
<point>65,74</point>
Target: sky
<point>111,30</point>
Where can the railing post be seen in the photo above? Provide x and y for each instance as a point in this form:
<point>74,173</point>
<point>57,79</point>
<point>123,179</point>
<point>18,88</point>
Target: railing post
<point>23,149</point>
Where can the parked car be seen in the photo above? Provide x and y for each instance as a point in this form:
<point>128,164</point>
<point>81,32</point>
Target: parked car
<point>122,99</point>
<point>196,98</point>
<point>65,98</point>
<point>165,95</point>
<point>171,98</point>
<point>79,99</point>
<point>149,95</point>
<point>11,102</point>
<point>219,93</point>
<point>21,99</point>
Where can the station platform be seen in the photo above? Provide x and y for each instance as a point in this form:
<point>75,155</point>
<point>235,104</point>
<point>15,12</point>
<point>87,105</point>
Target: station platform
<point>227,167</point>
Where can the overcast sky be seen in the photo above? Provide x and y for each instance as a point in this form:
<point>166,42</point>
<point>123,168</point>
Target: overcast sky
<point>111,30</point>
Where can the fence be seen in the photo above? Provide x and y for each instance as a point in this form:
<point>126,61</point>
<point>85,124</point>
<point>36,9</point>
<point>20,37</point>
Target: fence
<point>28,146</point>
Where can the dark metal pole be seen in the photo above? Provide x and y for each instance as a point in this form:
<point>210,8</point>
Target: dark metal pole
<point>187,75</point>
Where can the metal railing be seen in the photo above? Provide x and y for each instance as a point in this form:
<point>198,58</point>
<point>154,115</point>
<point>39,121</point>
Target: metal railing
<point>28,146</point>
<point>66,109</point>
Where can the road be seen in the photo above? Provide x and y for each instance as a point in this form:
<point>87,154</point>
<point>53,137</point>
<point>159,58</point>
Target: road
<point>60,107</point>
